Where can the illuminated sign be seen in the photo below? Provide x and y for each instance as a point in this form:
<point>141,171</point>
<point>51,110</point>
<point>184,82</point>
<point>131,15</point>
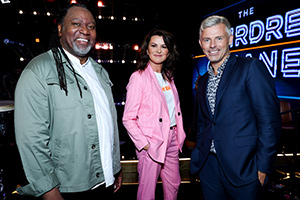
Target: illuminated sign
<point>257,30</point>
<point>273,39</point>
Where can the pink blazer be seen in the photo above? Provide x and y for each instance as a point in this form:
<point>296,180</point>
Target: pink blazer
<point>146,115</point>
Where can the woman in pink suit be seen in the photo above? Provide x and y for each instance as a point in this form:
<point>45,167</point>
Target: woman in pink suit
<point>153,118</point>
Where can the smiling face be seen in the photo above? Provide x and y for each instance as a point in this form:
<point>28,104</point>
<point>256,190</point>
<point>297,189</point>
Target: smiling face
<point>78,32</point>
<point>157,52</point>
<point>215,43</point>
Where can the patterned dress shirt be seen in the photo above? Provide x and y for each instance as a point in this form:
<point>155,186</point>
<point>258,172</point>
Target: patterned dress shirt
<point>212,87</point>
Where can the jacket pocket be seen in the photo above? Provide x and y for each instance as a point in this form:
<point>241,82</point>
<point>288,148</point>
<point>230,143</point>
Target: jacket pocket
<point>61,100</point>
<point>249,140</point>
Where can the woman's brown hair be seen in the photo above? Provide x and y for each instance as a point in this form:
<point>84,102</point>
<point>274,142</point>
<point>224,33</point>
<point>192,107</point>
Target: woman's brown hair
<point>168,68</point>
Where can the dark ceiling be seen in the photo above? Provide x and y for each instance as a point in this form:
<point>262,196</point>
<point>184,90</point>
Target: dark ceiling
<point>182,18</point>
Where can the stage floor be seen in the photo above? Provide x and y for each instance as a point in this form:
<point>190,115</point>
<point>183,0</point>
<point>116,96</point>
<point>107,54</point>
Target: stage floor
<point>283,183</point>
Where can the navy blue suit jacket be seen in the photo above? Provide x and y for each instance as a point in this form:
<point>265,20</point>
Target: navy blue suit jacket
<point>246,125</point>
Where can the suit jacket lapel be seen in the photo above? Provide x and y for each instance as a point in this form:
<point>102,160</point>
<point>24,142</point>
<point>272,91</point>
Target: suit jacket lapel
<point>225,79</point>
<point>202,88</point>
<point>174,92</point>
<point>157,86</point>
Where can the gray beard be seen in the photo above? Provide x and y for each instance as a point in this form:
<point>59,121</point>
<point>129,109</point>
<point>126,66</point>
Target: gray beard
<point>81,51</point>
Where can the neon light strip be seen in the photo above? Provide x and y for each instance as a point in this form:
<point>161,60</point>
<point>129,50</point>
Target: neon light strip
<point>258,47</point>
<point>288,97</point>
<point>287,154</point>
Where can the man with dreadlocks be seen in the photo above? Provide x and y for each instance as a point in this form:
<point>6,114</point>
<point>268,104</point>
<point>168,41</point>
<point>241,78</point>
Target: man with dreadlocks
<point>65,117</point>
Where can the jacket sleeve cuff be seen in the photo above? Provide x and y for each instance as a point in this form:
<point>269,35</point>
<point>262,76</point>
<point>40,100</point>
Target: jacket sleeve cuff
<point>140,146</point>
<point>41,186</point>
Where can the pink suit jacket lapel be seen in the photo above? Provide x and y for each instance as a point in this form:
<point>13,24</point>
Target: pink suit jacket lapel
<point>157,86</point>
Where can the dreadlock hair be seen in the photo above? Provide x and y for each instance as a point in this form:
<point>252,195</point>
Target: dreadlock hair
<point>168,68</point>
<point>58,51</point>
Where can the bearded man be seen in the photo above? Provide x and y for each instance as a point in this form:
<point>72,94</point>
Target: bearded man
<point>65,117</point>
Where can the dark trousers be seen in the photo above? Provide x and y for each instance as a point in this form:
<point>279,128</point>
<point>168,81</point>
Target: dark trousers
<point>215,184</point>
<point>100,193</point>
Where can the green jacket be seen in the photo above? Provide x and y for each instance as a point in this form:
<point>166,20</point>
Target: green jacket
<point>57,135</point>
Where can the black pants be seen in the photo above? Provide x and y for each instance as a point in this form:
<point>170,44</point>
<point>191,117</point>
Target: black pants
<point>100,193</point>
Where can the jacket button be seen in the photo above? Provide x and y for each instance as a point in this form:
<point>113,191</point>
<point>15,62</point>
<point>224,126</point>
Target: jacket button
<point>178,113</point>
<point>85,88</point>
<point>93,146</point>
<point>160,119</point>
<point>97,175</point>
<point>89,116</point>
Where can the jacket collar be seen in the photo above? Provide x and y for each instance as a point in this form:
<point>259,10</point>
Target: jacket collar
<point>224,82</point>
<point>150,72</point>
<point>97,67</point>
<point>226,77</point>
<point>153,79</point>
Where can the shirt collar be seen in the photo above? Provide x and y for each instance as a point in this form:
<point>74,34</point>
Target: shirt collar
<point>220,69</point>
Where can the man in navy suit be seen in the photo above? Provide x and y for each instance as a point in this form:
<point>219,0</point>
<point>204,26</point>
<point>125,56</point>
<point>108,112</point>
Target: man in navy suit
<point>239,122</point>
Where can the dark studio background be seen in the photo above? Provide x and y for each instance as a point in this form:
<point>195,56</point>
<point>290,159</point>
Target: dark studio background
<point>181,18</point>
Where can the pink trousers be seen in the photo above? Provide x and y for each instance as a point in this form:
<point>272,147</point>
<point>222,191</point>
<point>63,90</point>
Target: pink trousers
<point>149,171</point>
